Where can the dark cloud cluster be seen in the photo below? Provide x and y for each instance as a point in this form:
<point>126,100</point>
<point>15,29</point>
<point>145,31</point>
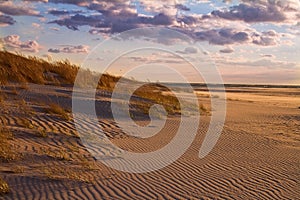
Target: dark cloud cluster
<point>276,11</point>
<point>161,36</point>
<point>117,16</point>
<point>45,1</point>
<point>116,25</point>
<point>6,20</point>
<point>225,36</point>
<point>252,13</point>
<point>63,12</point>
<point>77,20</point>
<point>182,7</point>
<point>75,2</point>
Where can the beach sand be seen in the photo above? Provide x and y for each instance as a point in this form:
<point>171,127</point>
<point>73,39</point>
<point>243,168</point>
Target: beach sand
<point>256,156</point>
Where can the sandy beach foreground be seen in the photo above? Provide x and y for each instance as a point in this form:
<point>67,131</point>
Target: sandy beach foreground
<point>256,157</point>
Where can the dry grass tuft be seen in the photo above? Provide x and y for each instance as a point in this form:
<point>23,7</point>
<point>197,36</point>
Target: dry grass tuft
<point>3,97</point>
<point>24,86</point>
<point>58,110</point>
<point>7,151</point>
<point>59,154</point>
<point>58,173</point>
<point>4,188</point>
<point>233,99</point>
<point>18,169</point>
<point>155,94</point>
<point>203,109</point>
<point>41,133</point>
<point>26,123</point>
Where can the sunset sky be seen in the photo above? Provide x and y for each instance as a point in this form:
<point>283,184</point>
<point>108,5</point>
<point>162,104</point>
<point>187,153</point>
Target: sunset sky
<point>253,41</point>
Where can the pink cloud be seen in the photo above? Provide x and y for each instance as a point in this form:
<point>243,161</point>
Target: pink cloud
<point>17,9</point>
<point>14,42</point>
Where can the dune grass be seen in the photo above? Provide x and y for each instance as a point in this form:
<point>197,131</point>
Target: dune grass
<point>21,69</point>
<point>18,68</point>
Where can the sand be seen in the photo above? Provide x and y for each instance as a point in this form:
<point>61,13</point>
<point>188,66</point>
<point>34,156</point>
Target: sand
<point>256,157</point>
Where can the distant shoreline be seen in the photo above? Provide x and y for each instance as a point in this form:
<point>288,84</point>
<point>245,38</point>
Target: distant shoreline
<point>234,85</point>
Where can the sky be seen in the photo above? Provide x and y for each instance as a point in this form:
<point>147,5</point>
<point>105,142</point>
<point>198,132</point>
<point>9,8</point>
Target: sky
<point>249,41</point>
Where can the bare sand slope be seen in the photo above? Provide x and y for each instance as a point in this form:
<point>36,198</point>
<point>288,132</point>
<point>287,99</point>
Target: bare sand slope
<point>256,157</point>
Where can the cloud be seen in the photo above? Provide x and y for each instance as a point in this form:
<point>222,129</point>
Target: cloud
<point>251,13</point>
<point>189,50</point>
<point>225,36</point>
<point>54,28</point>
<point>218,27</point>
<point>17,9</point>
<point>99,31</point>
<point>54,50</point>
<point>113,8</point>
<point>227,50</point>
<point>118,16</point>
<point>267,56</point>
<point>160,19</point>
<point>45,1</point>
<point>182,7</point>
<point>139,59</point>
<point>267,38</point>
<point>6,20</point>
<point>168,7</point>
<point>70,49</point>
<point>13,41</point>
<point>261,11</point>
<point>116,25</point>
<point>77,20</point>
<point>161,36</point>
<point>188,20</point>
<point>260,63</point>
<point>35,25</point>
<point>157,57</point>
<point>75,2</point>
<point>63,12</point>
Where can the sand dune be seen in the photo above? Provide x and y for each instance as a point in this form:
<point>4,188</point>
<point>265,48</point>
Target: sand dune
<point>257,156</point>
